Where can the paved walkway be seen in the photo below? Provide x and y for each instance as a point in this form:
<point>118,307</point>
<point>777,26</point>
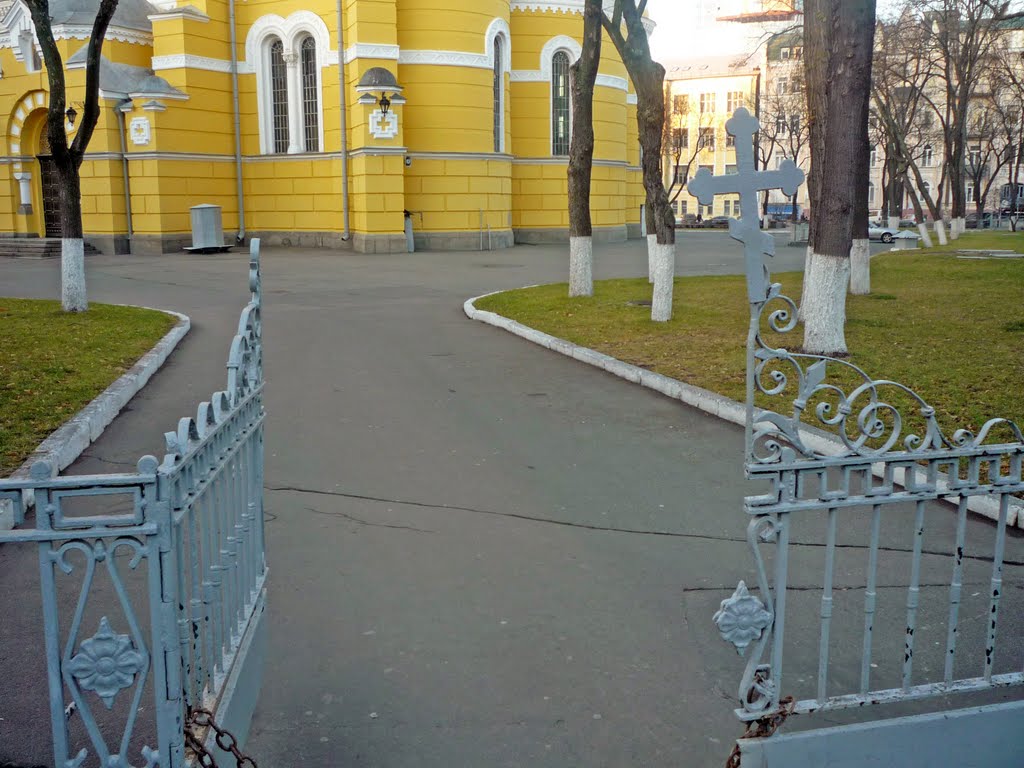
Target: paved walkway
<point>482,553</point>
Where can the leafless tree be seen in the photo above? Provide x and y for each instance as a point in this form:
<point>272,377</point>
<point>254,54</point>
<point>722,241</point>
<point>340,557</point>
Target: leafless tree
<point>839,36</point>
<point>581,153</point>
<point>68,159</point>
<point>959,35</point>
<point>624,25</point>
<point>680,148</point>
<point>1007,76</point>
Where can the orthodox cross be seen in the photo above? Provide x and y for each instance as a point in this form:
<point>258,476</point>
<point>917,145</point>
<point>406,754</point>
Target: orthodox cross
<point>747,182</point>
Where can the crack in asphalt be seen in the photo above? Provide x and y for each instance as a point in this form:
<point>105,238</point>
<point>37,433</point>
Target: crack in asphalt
<point>361,521</point>
<point>611,529</point>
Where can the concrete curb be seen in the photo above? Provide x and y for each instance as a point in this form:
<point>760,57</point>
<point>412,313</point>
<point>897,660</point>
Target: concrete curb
<point>72,438</point>
<point>708,402</point>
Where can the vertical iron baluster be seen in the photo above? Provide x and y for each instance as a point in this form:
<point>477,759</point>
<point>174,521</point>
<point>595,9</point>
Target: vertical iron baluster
<point>239,535</point>
<point>195,621</point>
<point>166,642</point>
<point>826,604</point>
<point>183,608</point>
<point>250,515</point>
<point>870,597</point>
<point>260,516</point>
<point>997,583</point>
<point>955,587</point>
<point>913,596</point>
<point>778,630</point>
<point>214,570</point>
<point>51,624</point>
<point>227,553</point>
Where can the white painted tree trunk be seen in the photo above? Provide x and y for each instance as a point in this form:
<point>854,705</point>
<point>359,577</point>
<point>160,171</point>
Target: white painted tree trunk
<point>581,266</point>
<point>664,274</point>
<point>954,228</point>
<point>652,246</point>
<point>860,267</point>
<point>803,291</point>
<point>72,274</point>
<point>926,237</point>
<point>940,231</point>
<point>824,307</point>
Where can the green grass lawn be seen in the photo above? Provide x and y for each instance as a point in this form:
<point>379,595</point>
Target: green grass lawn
<point>952,329</point>
<point>53,363</point>
<point>974,239</point>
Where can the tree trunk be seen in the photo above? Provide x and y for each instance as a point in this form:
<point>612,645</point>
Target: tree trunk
<point>922,226</point>
<point>860,248</point>
<point>816,65</point>
<point>72,244</point>
<point>850,39</point>
<point>581,154</point>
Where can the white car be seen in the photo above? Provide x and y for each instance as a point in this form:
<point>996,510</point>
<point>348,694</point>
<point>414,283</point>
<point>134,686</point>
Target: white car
<point>888,234</point>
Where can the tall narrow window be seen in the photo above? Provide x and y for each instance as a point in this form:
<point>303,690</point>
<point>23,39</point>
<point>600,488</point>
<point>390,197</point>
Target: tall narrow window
<point>499,87</point>
<point>560,104</point>
<point>279,96</point>
<point>310,97</point>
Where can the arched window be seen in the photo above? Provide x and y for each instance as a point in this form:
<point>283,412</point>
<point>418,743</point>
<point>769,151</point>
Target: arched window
<point>560,102</point>
<point>279,96</point>
<point>499,90</point>
<point>310,96</point>
<point>927,160</point>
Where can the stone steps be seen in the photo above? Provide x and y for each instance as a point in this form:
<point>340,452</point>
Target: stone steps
<point>35,247</point>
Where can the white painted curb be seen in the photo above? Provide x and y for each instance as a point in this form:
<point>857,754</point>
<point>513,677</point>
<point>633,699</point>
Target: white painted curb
<point>72,438</point>
<point>708,402</point>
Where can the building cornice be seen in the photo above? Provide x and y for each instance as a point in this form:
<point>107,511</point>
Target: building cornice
<point>190,61</point>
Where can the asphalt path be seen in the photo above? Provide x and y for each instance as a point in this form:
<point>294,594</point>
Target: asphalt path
<point>482,553</point>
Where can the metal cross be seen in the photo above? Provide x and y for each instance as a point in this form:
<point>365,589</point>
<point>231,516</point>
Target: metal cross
<point>747,182</point>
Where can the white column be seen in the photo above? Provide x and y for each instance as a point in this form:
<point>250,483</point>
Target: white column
<point>25,190</point>
<point>295,142</point>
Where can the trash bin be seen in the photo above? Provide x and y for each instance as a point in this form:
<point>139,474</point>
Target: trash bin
<point>207,229</point>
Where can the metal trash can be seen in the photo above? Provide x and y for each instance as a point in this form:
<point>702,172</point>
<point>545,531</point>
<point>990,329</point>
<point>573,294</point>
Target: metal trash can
<point>207,229</point>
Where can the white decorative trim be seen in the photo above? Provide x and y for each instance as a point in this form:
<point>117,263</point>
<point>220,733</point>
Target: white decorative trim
<point>83,32</point>
<point>371,51</point>
<point>544,6</point>
<point>612,81</point>
<point>571,6</point>
<point>377,151</point>
<point>189,61</point>
<point>383,126</point>
<point>495,28</point>
<point>139,131</point>
<point>185,12</point>
<point>291,32</point>
<point>631,99</point>
<point>483,60</point>
<point>445,59</point>
<point>151,106</point>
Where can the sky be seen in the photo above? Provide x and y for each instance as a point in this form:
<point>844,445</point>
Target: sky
<point>680,33</point>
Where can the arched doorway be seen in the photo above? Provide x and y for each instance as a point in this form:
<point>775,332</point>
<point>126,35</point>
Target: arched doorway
<point>49,186</point>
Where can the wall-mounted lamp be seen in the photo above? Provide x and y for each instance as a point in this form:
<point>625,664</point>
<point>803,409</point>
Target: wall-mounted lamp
<point>385,103</point>
<point>70,113</point>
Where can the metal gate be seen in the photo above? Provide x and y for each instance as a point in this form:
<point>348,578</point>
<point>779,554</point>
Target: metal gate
<point>854,473</point>
<point>189,627</point>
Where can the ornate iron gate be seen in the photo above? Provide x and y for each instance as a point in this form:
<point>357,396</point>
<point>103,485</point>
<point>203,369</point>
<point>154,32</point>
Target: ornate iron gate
<point>193,524</point>
<point>851,451</point>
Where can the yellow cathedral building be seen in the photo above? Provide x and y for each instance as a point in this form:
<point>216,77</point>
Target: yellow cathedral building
<point>453,120</point>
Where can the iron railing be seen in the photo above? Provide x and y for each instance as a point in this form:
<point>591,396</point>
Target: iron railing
<point>193,524</point>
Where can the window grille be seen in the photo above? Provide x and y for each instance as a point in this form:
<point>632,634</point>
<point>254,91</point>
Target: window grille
<point>560,104</point>
<point>707,103</point>
<point>706,139</point>
<point>735,101</point>
<point>279,96</point>
<point>499,128</point>
<point>310,96</point>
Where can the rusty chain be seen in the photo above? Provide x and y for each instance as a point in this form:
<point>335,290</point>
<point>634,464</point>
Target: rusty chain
<point>759,729</point>
<point>225,740</point>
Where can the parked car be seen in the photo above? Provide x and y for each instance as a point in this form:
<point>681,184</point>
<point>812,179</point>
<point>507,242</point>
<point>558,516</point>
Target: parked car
<point>971,221</point>
<point>718,222</point>
<point>885,234</point>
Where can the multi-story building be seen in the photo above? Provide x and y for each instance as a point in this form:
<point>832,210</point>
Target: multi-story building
<point>702,95</point>
<point>453,116</point>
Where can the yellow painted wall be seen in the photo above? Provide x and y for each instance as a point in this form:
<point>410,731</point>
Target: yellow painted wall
<point>446,131</point>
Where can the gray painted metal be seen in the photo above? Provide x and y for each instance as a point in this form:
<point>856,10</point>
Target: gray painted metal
<point>886,429</point>
<point>939,739</point>
<point>192,527</point>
